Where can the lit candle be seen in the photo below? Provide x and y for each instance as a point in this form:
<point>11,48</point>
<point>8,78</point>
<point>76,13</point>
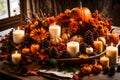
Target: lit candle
<point>18,36</point>
<point>112,53</point>
<point>104,61</point>
<point>98,45</point>
<point>55,31</point>
<point>73,48</point>
<point>16,57</point>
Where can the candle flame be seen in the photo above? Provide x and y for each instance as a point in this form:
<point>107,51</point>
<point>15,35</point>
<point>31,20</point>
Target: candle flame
<point>111,44</point>
<point>16,52</point>
<point>104,56</point>
<point>97,39</point>
<point>18,28</point>
<point>54,24</point>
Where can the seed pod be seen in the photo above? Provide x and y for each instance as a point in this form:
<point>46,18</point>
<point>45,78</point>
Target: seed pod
<point>105,70</point>
<point>111,71</point>
<point>118,68</point>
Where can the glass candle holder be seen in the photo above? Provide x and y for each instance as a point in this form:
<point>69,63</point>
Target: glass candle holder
<point>16,57</point>
<point>18,35</point>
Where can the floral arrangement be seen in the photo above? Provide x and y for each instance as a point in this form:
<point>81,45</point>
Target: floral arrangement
<point>37,32</point>
<point>38,46</point>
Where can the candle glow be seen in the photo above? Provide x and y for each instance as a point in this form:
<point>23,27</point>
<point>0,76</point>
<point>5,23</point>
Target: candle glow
<point>98,45</point>
<point>55,31</point>
<point>104,61</point>
<point>73,48</point>
<point>16,57</point>
<point>18,36</point>
<point>112,53</point>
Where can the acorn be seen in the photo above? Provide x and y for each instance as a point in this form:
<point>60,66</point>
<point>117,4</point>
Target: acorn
<point>105,70</point>
<point>111,71</point>
<point>118,68</point>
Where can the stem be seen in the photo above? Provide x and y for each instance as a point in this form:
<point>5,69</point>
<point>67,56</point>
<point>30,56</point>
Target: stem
<point>80,4</point>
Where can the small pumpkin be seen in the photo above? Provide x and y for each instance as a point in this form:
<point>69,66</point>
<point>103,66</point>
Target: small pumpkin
<point>65,36</point>
<point>32,26</point>
<point>97,68</point>
<point>25,50</point>
<point>77,38</point>
<point>34,48</point>
<point>81,13</point>
<point>56,41</point>
<point>102,39</point>
<point>113,37</point>
<point>86,69</point>
<point>89,50</point>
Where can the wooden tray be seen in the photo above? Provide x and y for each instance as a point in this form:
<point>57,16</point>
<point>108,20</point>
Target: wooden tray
<point>81,60</point>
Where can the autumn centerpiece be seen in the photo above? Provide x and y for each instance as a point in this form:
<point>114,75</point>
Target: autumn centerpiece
<point>78,25</point>
<point>71,34</point>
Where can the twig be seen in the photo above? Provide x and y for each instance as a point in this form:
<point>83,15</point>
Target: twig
<point>42,14</point>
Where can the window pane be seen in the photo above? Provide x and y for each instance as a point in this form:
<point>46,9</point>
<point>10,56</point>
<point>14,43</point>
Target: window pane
<point>3,9</point>
<point>14,5</point>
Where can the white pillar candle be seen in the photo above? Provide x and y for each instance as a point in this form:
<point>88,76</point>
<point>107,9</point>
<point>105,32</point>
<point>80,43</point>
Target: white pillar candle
<point>55,31</point>
<point>18,36</point>
<point>16,57</point>
<point>104,61</point>
<point>112,53</point>
<point>73,48</point>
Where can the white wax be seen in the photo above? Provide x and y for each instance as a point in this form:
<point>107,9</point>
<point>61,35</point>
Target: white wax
<point>55,31</point>
<point>73,48</point>
<point>16,57</point>
<point>18,36</point>
<point>112,53</point>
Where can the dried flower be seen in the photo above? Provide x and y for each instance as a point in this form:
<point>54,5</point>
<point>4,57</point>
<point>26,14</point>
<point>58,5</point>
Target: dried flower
<point>39,34</point>
<point>73,26</point>
<point>50,20</point>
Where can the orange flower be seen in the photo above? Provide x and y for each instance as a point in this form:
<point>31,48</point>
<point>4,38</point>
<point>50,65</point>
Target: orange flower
<point>63,20</point>
<point>39,34</point>
<point>67,11</point>
<point>73,26</point>
<point>50,20</point>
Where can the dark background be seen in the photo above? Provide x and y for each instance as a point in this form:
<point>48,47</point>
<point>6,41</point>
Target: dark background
<point>110,8</point>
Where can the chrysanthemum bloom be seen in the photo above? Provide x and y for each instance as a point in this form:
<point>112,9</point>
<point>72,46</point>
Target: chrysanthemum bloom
<point>39,34</point>
<point>73,26</point>
<point>50,20</point>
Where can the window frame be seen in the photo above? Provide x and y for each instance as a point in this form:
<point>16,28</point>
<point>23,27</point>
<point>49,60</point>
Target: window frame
<point>14,20</point>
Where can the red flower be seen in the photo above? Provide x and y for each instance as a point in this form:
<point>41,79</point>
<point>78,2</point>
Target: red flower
<point>50,20</point>
<point>61,47</point>
<point>63,20</point>
<point>73,26</point>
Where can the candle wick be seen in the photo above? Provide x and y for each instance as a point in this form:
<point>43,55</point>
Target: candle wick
<point>80,4</point>
<point>15,52</point>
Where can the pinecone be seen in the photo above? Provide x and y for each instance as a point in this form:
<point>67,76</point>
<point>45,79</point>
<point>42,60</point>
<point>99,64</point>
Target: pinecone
<point>45,43</point>
<point>83,47</point>
<point>65,54</point>
<point>53,53</point>
<point>88,37</point>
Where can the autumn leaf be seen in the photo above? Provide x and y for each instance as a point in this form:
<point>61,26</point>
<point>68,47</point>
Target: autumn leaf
<point>42,56</point>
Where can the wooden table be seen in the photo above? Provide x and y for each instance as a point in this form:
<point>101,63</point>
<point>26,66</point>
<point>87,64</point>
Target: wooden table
<point>8,76</point>
<point>4,75</point>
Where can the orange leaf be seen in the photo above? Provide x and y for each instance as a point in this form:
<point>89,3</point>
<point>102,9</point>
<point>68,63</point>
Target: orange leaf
<point>42,56</point>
